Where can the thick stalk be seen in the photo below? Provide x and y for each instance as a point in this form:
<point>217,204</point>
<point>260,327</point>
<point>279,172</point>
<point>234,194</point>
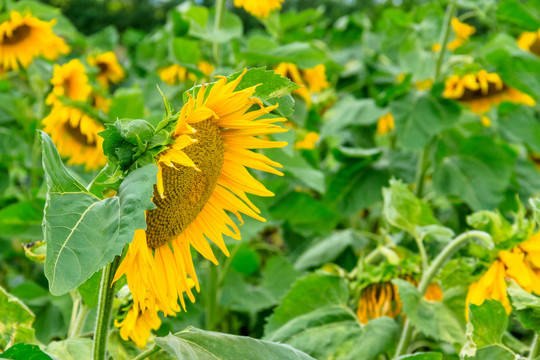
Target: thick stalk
<point>220,7</point>
<point>211,297</point>
<point>535,347</point>
<point>106,297</point>
<point>429,275</point>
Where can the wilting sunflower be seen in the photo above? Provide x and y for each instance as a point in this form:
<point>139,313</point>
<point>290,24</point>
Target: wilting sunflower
<point>462,31</point>
<point>259,8</point>
<point>522,264</point>
<point>483,90</point>
<point>530,41</point>
<point>23,38</point>
<point>69,80</point>
<point>385,124</point>
<point>201,177</point>
<point>75,135</point>
<point>110,70</point>
<point>308,143</point>
<point>382,299</point>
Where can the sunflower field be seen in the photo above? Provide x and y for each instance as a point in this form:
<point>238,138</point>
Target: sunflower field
<point>270,179</point>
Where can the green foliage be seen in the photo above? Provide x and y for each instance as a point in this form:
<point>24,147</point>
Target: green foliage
<point>526,306</point>
<point>16,320</point>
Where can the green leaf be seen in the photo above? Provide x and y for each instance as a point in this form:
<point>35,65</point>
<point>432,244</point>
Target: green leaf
<point>420,115</point>
<point>308,294</point>
<point>329,248</point>
<point>526,306</point>
<point>279,275</point>
<point>299,168</point>
<point>202,25</point>
<point>186,51</point>
<point>26,352</point>
<point>487,323</point>
<point>432,318</point>
<point>195,344</point>
<point>350,111</point>
<point>22,220</point>
<point>499,352</point>
<point>519,125</point>
<point>84,233</point>
<point>89,290</point>
<point>305,55</point>
<point>404,210</point>
<point>15,320</point>
<point>518,14</point>
<point>127,103</point>
<point>422,356</point>
<point>478,174</point>
<point>104,40</point>
<point>71,349</point>
<point>379,336</point>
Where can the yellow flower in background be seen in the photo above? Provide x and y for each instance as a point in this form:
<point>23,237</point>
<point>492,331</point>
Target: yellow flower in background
<point>308,143</point>
<point>69,80</point>
<point>259,8</point>
<point>110,70</point>
<point>138,326</point>
<point>483,90</point>
<point>462,31</point>
<point>23,38</point>
<point>205,67</point>
<point>521,264</point>
<point>75,135</point>
<point>101,103</point>
<point>174,74</point>
<point>485,121</point>
<point>316,78</point>
<point>385,124</point>
<point>530,41</point>
<point>436,47</point>
<point>424,84</point>
<point>382,299</point>
<point>201,177</point>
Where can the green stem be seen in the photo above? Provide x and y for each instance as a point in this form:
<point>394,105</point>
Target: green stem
<point>429,275</point>
<point>78,316</point>
<point>421,169</point>
<point>211,297</point>
<point>445,35</point>
<point>422,251</point>
<point>154,349</point>
<point>535,347</point>
<point>106,297</point>
<point>220,7</point>
<point>76,299</point>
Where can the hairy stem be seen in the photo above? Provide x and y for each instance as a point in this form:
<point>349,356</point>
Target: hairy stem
<point>106,297</point>
<point>445,35</point>
<point>154,349</point>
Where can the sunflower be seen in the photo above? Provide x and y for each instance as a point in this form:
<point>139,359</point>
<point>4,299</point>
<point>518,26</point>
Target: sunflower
<point>23,38</point>
<point>382,299</point>
<point>522,264</point>
<point>200,177</point>
<point>312,80</point>
<point>462,31</point>
<point>385,124</point>
<point>75,134</point>
<point>206,68</point>
<point>316,78</point>
<point>110,70</point>
<point>530,41</point>
<point>483,90</point>
<point>175,73</point>
<point>101,103</point>
<point>69,80</point>
<point>259,8</point>
<point>308,143</point>
<point>138,326</point>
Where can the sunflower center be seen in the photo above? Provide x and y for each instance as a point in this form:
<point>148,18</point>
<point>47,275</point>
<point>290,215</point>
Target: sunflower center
<point>76,134</point>
<point>469,94</point>
<point>103,67</point>
<point>18,35</point>
<point>535,47</point>
<point>186,190</point>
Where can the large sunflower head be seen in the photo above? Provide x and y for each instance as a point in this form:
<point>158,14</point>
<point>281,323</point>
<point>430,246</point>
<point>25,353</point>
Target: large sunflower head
<point>259,8</point>
<point>69,80</point>
<point>483,90</point>
<point>110,70</point>
<point>24,37</point>
<point>202,176</point>
<point>530,41</point>
<point>75,135</point>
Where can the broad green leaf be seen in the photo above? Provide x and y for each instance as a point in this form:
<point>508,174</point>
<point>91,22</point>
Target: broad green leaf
<point>104,40</point>
<point>329,248</point>
<point>26,352</point>
<point>127,103</point>
<point>432,318</point>
<point>279,275</point>
<point>422,356</point>
<point>499,352</point>
<point>195,344</point>
<point>89,290</point>
<point>521,15</point>
<point>84,233</point>
<point>404,210</point>
<point>305,55</point>
<point>15,320</point>
<point>420,115</point>
<point>308,294</point>
<point>519,125</point>
<point>478,174</point>
<point>201,21</point>
<point>487,323</point>
<point>22,219</point>
<point>185,50</point>
<point>71,349</point>
<point>526,306</point>
<point>379,336</point>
